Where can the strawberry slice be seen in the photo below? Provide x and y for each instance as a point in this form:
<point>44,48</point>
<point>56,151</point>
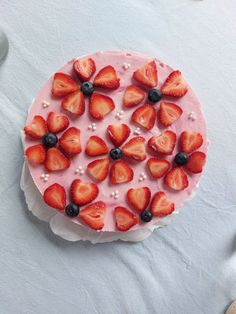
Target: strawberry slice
<point>189,141</point>
<point>74,103</point>
<point>163,143</point>
<point>196,162</point>
<point>63,84</point>
<point>98,169</point>
<point>96,146</point>
<point>133,96</point>
<point>100,105</point>
<point>120,172</point>
<point>107,78</point>
<point>57,122</point>
<point>139,198</point>
<point>94,215</point>
<point>174,85</point>
<point>70,141</point>
<point>83,193</point>
<point>125,219</point>
<point>118,133</point>
<point>161,206</point>
<point>55,196</point>
<point>169,113</point>
<point>56,160</point>
<point>176,179</point>
<point>147,74</point>
<point>145,116</point>
<point>84,68</point>
<point>37,128</point>
<point>135,148</point>
<point>158,167</point>
<point>36,154</point>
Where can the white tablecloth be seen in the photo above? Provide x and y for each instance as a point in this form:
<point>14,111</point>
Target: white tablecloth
<point>187,267</point>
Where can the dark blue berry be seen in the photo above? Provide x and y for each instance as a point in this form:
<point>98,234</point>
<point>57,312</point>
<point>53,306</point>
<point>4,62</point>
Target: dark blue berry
<point>87,88</point>
<point>154,95</point>
<point>116,153</point>
<point>181,159</point>
<point>146,216</point>
<point>49,140</point>
<point>72,210</point>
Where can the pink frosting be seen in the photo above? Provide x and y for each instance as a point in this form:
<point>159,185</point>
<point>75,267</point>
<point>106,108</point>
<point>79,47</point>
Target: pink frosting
<point>189,103</point>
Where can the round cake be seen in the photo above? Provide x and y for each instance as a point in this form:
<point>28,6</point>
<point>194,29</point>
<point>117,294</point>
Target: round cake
<point>115,141</point>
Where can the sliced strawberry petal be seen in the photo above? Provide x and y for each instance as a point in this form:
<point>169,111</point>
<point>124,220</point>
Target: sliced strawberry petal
<point>190,141</point>
<point>63,84</point>
<point>139,198</point>
<point>133,96</point>
<point>74,103</point>
<point>98,169</point>
<point>37,128</point>
<point>174,85</point>
<point>118,133</point>
<point>196,162</point>
<point>36,154</point>
<point>145,116</point>
<point>55,196</point>
<point>161,206</point>
<point>70,141</point>
<point>125,219</point>
<point>169,113</point>
<point>147,74</point>
<point>107,78</point>
<point>84,68</point>
<point>82,192</point>
<point>158,167</point>
<point>163,143</point>
<point>96,146</point>
<point>176,179</point>
<point>94,215</point>
<point>56,160</point>
<point>57,122</point>
<point>120,172</point>
<point>135,148</point>
<point>100,106</point>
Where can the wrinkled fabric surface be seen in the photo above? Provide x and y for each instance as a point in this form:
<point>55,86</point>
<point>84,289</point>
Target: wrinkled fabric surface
<point>188,266</point>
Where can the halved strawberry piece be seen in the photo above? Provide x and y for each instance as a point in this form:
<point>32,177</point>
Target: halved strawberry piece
<point>63,84</point>
<point>37,128</point>
<point>120,172</point>
<point>147,74</point>
<point>57,122</point>
<point>125,219</point>
<point>100,105</point>
<point>158,167</point>
<point>174,85</point>
<point>163,143</point>
<point>118,133</point>
<point>139,198</point>
<point>133,96</point>
<point>145,116</point>
<point>161,206</point>
<point>70,141</point>
<point>74,103</point>
<point>83,193</point>
<point>176,179</point>
<point>94,215</point>
<point>96,146</point>
<point>36,154</point>
<point>169,113</point>
<point>107,78</point>
<point>135,148</point>
<point>84,68</point>
<point>55,196</point>
<point>189,141</point>
<point>98,169</point>
<point>56,160</point>
<point>196,162</point>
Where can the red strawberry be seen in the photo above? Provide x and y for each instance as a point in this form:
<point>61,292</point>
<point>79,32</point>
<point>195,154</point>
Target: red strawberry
<point>63,84</point>
<point>74,103</point>
<point>161,206</point>
<point>96,146</point>
<point>37,128</point>
<point>133,96</point>
<point>158,167</point>
<point>118,133</point>
<point>36,154</point>
<point>84,68</point>
<point>176,179</point>
<point>83,193</point>
<point>100,105</point>
<point>189,141</point>
<point>94,215</point>
<point>147,74</point>
<point>98,169</point>
<point>145,116</point>
<point>169,113</point>
<point>56,160</point>
<point>55,196</point>
<point>135,148</point>
<point>196,162</point>
<point>70,141</point>
<point>120,172</point>
<point>107,78</point>
<point>57,122</point>
<point>174,85</point>
<point>125,219</point>
<point>139,198</point>
<point>164,143</point>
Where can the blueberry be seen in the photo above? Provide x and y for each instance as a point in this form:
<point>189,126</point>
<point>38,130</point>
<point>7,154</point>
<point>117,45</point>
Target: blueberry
<point>154,95</point>
<point>49,140</point>
<point>72,210</point>
<point>87,88</point>
<point>181,158</point>
<point>146,216</point>
<point>116,153</point>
